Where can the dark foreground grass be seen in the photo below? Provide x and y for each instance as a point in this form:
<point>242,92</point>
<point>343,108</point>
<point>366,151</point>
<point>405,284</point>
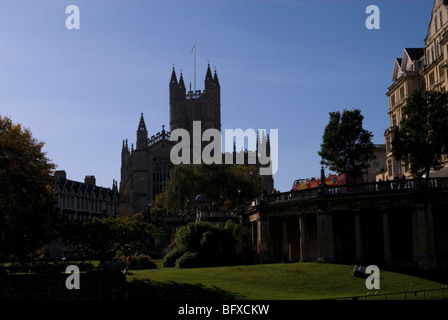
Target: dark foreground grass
<point>297,281</point>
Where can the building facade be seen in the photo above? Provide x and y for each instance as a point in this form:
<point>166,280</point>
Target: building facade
<point>145,169</point>
<point>85,200</point>
<point>417,68</point>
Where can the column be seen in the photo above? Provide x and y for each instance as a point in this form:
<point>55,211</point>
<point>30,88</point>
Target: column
<point>285,247</point>
<point>430,237</point>
<point>386,236</point>
<point>263,248</point>
<point>419,237</point>
<point>359,254</point>
<point>303,240</point>
<point>325,239</point>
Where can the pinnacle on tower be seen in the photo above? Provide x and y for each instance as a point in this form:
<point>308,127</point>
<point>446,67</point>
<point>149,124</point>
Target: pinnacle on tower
<point>215,79</point>
<point>173,77</point>
<point>181,81</point>
<point>142,125</point>
<point>208,75</point>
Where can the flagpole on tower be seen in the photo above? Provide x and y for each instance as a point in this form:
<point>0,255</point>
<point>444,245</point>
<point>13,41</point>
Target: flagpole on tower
<point>194,49</point>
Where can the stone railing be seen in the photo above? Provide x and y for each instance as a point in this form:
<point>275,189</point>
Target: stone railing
<point>347,190</point>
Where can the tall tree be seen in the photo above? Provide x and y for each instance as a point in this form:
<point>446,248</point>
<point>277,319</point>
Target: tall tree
<point>218,183</point>
<point>422,137</point>
<point>347,147</point>
<point>27,199</point>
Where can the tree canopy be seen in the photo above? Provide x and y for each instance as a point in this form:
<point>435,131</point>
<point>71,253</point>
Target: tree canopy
<point>27,199</point>
<point>105,238</point>
<point>218,182</point>
<point>347,147</point>
<point>422,137</point>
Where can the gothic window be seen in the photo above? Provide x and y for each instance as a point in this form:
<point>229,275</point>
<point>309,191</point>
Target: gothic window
<point>161,168</point>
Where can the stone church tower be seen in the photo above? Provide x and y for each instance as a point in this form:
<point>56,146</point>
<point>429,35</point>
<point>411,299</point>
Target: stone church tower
<point>186,107</point>
<point>145,169</point>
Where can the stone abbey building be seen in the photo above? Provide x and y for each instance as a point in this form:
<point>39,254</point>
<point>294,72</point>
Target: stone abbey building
<point>146,168</point>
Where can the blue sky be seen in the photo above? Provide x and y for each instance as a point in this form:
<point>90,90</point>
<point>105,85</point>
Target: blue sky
<point>282,64</point>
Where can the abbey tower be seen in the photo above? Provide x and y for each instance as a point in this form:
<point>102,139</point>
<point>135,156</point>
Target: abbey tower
<point>145,168</point>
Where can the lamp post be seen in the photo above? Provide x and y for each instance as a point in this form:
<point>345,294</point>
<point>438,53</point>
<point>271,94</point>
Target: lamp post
<point>322,174</point>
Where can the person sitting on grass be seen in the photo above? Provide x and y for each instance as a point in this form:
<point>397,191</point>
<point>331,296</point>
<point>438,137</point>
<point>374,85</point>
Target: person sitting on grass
<point>355,271</point>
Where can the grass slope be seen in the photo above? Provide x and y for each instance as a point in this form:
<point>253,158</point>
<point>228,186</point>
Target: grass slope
<point>298,281</point>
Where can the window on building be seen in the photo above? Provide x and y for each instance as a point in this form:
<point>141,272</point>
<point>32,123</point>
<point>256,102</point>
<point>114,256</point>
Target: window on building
<point>376,165</point>
<point>388,146</point>
<point>436,24</point>
<point>441,71</point>
<point>399,168</point>
<point>389,168</point>
<point>428,57</point>
<point>438,50</point>
<point>392,99</point>
<point>402,92</point>
<point>432,54</point>
<point>431,78</point>
<point>441,19</point>
<point>394,120</point>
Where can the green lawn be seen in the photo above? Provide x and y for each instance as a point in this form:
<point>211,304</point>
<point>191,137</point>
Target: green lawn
<point>299,281</point>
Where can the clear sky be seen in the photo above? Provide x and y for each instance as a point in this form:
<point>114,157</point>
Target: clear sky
<point>282,64</point>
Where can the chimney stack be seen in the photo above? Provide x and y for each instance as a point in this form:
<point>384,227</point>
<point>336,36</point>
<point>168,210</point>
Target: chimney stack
<point>90,180</point>
<point>60,174</point>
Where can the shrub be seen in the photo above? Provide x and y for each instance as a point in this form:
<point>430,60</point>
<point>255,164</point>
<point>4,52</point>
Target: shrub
<point>145,262</point>
<point>137,262</point>
<point>170,259</point>
<point>191,260</point>
<point>112,266</point>
<point>216,243</point>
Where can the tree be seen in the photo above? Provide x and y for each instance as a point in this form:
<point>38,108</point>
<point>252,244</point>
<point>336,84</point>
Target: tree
<point>27,199</point>
<point>422,137</point>
<point>106,238</point>
<point>347,147</point>
<point>217,182</point>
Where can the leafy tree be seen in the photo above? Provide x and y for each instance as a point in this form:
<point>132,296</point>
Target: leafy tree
<point>347,147</point>
<point>219,183</point>
<point>106,238</point>
<point>422,136</point>
<point>27,199</point>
